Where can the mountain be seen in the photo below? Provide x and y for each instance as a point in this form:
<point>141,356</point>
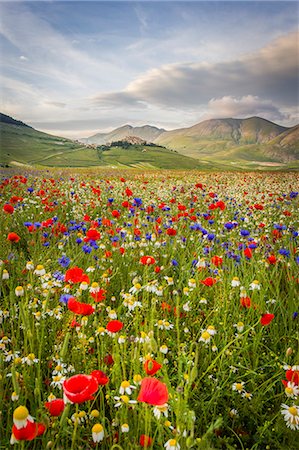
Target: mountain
<point>253,139</point>
<point>286,142</point>
<point>147,132</point>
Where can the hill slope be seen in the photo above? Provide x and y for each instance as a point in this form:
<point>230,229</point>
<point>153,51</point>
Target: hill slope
<point>147,132</point>
<point>21,144</point>
<point>217,135</point>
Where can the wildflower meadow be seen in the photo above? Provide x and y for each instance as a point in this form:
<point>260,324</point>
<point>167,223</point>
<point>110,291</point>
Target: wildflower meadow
<point>150,310</point>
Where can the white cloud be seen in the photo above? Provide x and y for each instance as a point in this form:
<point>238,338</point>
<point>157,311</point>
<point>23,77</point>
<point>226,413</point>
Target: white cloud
<point>241,107</point>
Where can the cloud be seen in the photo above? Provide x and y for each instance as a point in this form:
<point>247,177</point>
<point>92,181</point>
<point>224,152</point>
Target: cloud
<point>270,73</point>
<point>241,107</point>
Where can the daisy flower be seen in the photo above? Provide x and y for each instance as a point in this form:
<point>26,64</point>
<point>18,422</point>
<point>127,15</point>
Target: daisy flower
<point>126,388</point>
<point>172,444</point>
<point>291,416</point>
<point>255,285</point>
<point>238,387</point>
<point>205,337</point>
<point>97,432</point>
<point>291,390</point>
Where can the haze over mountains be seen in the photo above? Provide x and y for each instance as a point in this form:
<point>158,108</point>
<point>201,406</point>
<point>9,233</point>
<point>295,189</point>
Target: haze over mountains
<point>220,143</point>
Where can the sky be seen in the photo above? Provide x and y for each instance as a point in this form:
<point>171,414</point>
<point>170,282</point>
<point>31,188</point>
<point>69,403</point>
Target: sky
<point>77,68</point>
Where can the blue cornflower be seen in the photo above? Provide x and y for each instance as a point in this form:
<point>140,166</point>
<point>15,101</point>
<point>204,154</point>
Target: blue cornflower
<point>58,275</point>
<point>284,252</point>
<point>64,261</point>
<point>244,233</point>
<point>64,298</point>
<point>174,262</point>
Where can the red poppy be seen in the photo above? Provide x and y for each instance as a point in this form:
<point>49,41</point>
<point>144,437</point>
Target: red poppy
<point>100,376</point>
<point>92,235</point>
<point>209,281</point>
<point>153,391</point>
<point>272,259</point>
<point>55,407</point>
<point>79,388</point>
<point>248,253</point>
<point>27,433</point>
<point>145,441</point>
<point>115,213</point>
<point>75,275</point>
<point>151,366</point>
<point>245,302</point>
<point>147,260</point>
<point>217,261</point>
<point>171,232</point>
<point>293,375</point>
<point>221,205</point>
<point>98,296</point>
<point>8,209</point>
<point>114,326</point>
<point>266,319</point>
<point>108,359</point>
<point>13,237</point>
<point>80,308</point>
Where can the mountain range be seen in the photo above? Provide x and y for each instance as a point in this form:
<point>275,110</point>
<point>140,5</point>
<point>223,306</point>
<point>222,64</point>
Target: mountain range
<point>249,138</point>
<point>216,143</point>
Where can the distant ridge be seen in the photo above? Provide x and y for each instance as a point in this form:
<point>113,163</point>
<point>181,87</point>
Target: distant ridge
<point>10,121</point>
<point>147,132</point>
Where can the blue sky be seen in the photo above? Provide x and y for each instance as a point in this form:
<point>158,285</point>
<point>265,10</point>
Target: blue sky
<point>76,68</point>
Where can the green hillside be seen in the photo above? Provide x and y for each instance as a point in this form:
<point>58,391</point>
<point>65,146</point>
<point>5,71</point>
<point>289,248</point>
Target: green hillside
<point>24,145</point>
<point>20,144</point>
<point>253,139</point>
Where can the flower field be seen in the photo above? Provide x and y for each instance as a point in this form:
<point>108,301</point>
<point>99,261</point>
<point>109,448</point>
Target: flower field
<point>155,310</point>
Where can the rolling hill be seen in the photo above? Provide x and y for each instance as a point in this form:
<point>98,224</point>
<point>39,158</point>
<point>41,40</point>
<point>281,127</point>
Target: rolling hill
<point>23,145</point>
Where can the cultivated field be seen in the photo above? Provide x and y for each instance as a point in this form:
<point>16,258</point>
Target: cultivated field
<point>155,310</point>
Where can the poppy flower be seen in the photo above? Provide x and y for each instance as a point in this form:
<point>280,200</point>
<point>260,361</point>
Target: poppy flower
<point>100,376</point>
<point>80,308</point>
<point>76,275</point>
<point>8,209</point>
<point>217,261</point>
<point>27,433</point>
<point>293,376</point>
<point>272,259</point>
<point>266,319</point>
<point>245,302</point>
<point>153,392</point>
<point>55,407</point>
<point>171,232</point>
<point>114,326</point>
<point>98,296</point>
<point>248,253</point>
<point>209,281</point>
<point>108,360</point>
<point>13,237</point>
<point>79,388</point>
<point>151,366</point>
<point>145,441</point>
<point>147,260</point>
<point>92,235</point>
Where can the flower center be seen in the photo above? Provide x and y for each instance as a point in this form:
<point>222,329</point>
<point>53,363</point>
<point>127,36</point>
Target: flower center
<point>293,410</point>
<point>21,413</point>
